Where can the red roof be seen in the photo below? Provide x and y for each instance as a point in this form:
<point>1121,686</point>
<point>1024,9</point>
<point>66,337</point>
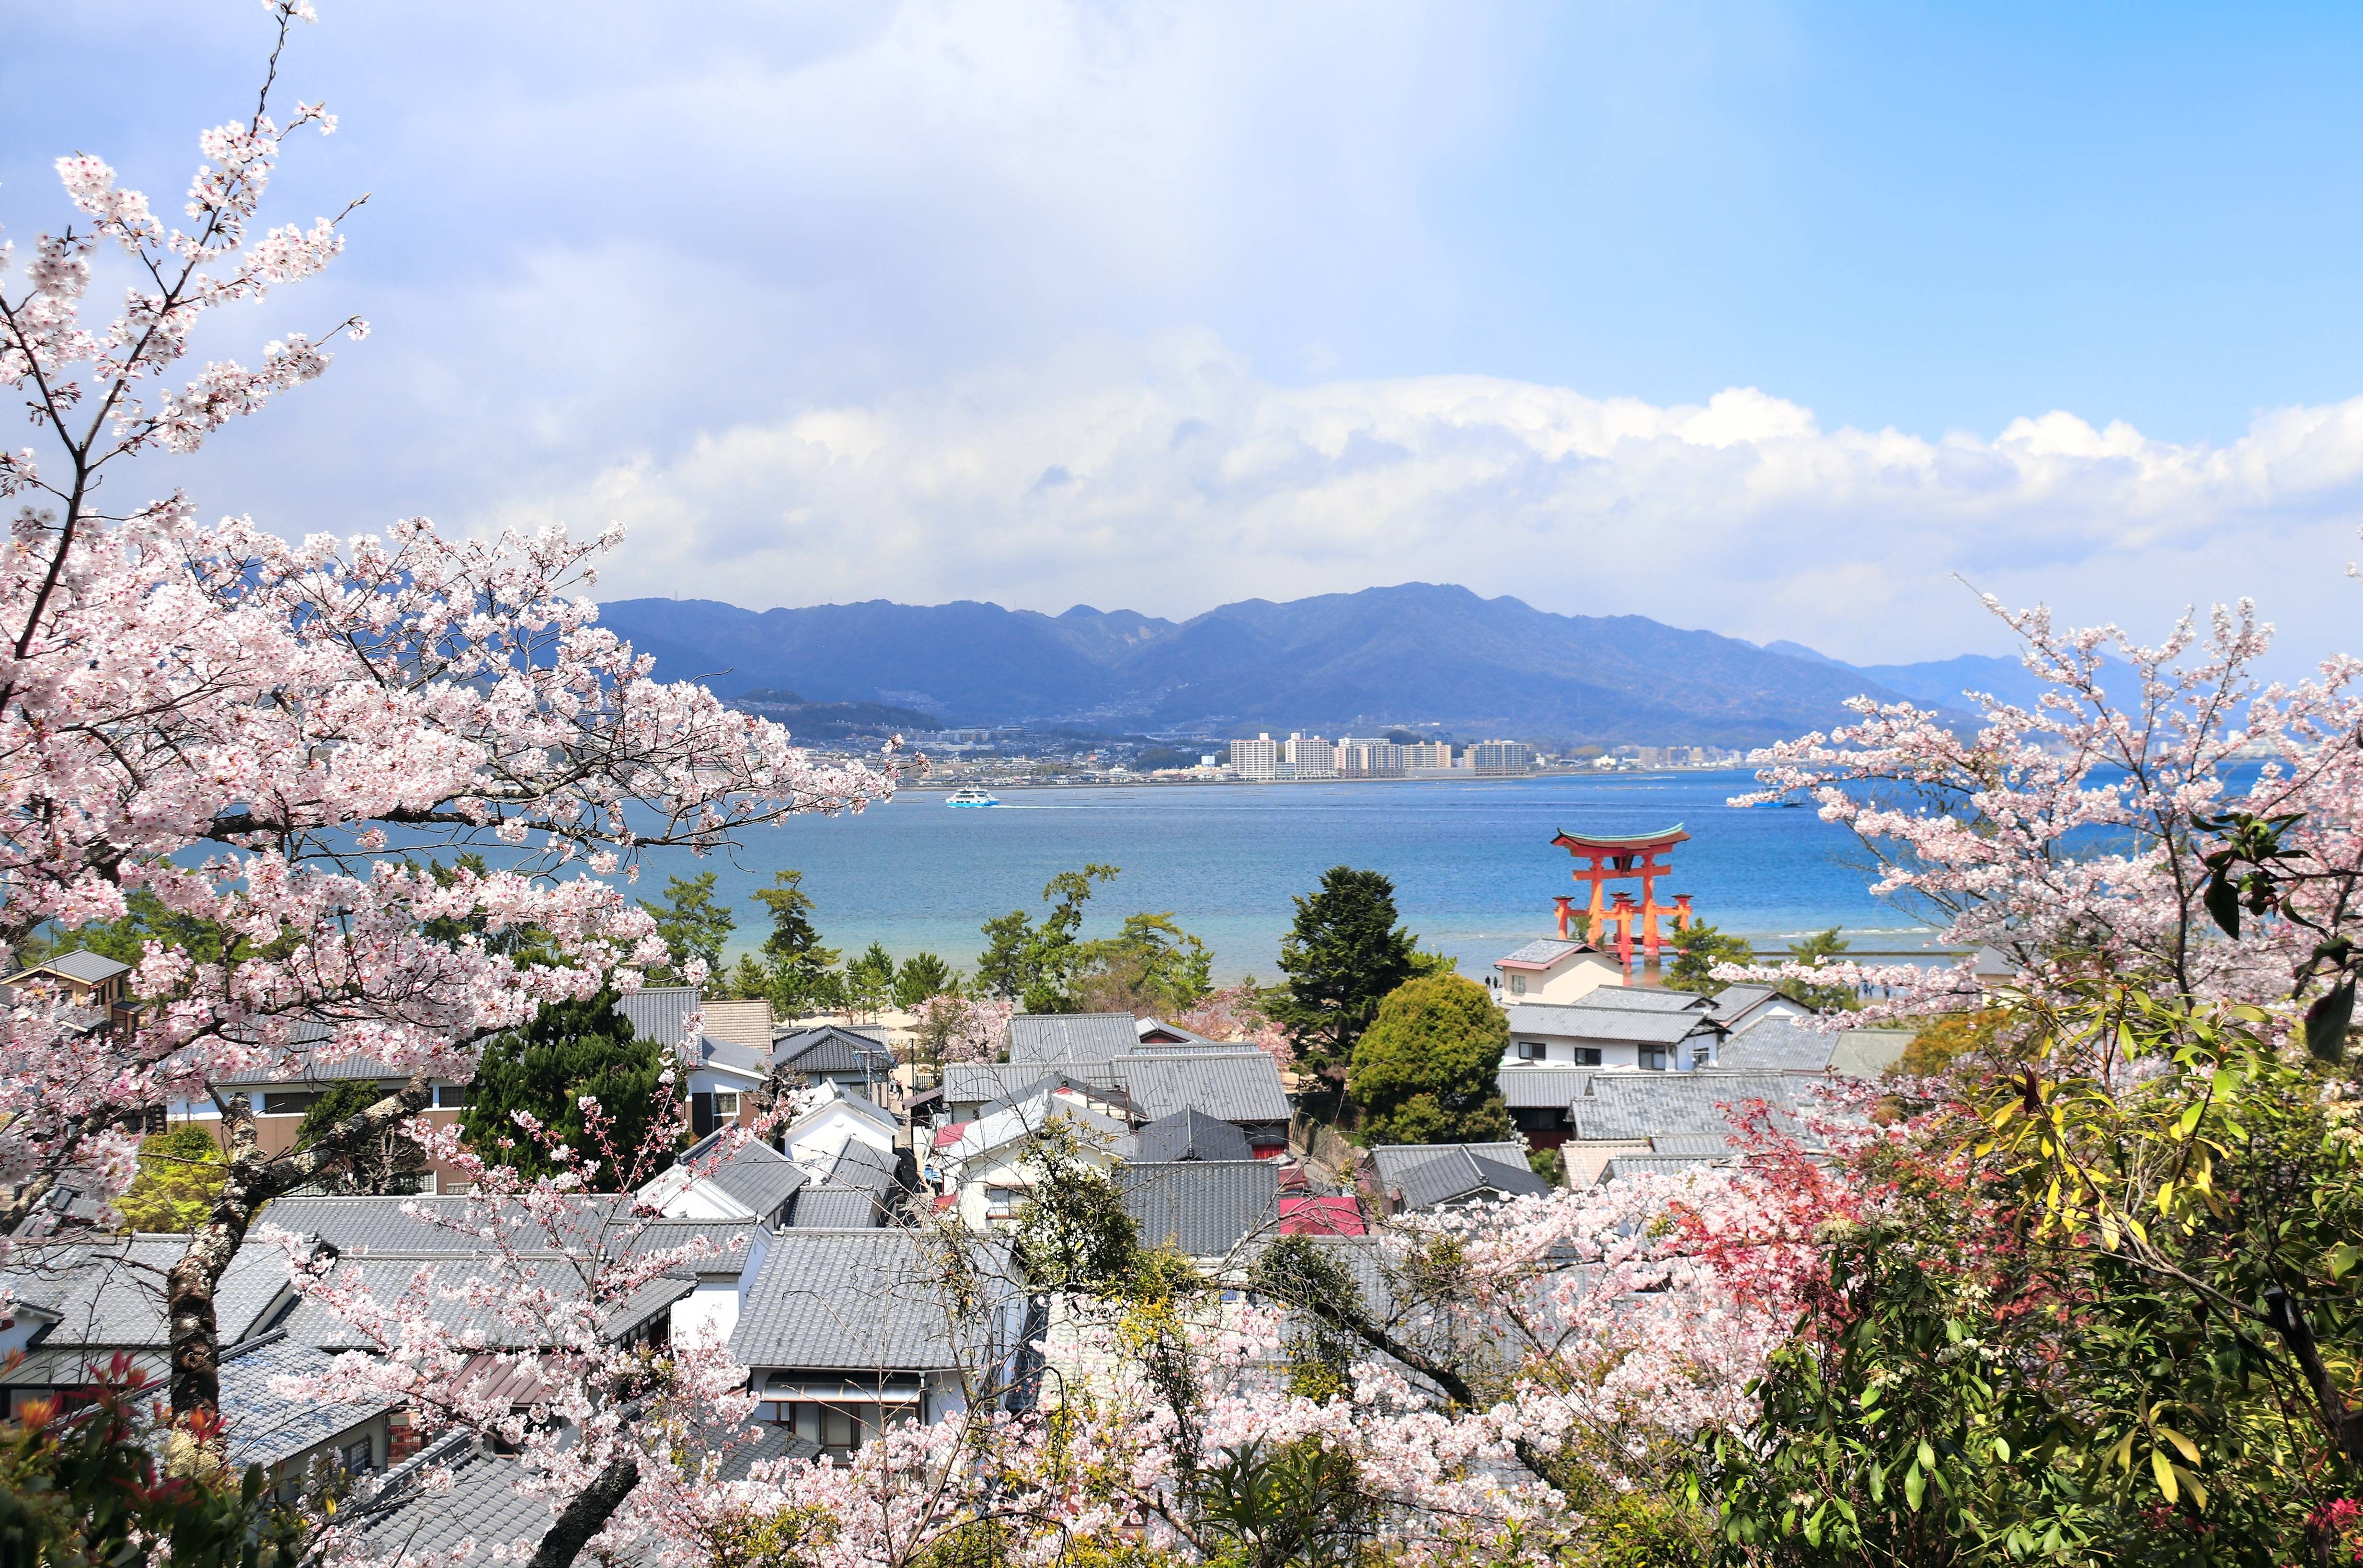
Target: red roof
<point>1321,1216</point>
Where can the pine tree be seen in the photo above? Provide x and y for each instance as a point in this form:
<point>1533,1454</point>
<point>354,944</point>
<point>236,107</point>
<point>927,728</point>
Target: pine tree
<point>391,1165</point>
<point>803,976</point>
<point>692,924</point>
<point>1698,951</point>
<point>1342,957</point>
<point>1425,1072</point>
<point>570,1050</point>
<point>923,975</point>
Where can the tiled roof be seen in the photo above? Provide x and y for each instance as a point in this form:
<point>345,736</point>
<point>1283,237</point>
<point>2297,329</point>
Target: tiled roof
<point>864,1166</point>
<point>1776,1045</point>
<point>753,1062</point>
<point>742,1022</point>
<point>444,1295</point>
<point>1233,1085</point>
<point>1395,1161</point>
<point>1541,954</point>
<point>411,1516</point>
<point>754,1174</point>
<point>1696,1145</point>
<point>984,1083</point>
<point>660,1013</point>
<point>264,1428</point>
<point>1540,1086</point>
<point>1643,999</point>
<point>1191,1135</point>
<point>830,1049</point>
<point>1618,1026</point>
<point>1203,1206</point>
<point>1647,1105</point>
<point>1867,1053</point>
<point>1731,1000</point>
<point>1454,1171</point>
<point>1066,1036</point>
<point>867,1300</point>
<point>1658,1165</point>
<point>360,1227</point>
<point>825,1207</point>
<point>89,968</point>
<point>109,1291</point>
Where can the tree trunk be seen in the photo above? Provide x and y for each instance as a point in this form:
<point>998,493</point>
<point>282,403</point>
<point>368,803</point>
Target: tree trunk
<point>2287,1315</point>
<point>250,1181</point>
<point>587,1515</point>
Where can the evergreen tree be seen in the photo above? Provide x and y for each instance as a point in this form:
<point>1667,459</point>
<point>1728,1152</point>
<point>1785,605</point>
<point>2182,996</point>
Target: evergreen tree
<point>181,1174</point>
<point>391,1165</point>
<point>1696,953</point>
<point>1816,949</point>
<point>1425,1072</point>
<point>924,975</point>
<point>870,980</point>
<point>1152,965</point>
<point>1035,965</point>
<point>570,1050</point>
<point>1343,957</point>
<point>804,977</point>
<point>693,926</point>
<point>750,978</point>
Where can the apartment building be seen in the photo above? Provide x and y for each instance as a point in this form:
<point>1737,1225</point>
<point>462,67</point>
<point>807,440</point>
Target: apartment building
<point>1256,758</point>
<point>1426,754</point>
<point>1499,757</point>
<point>1369,758</point>
<point>1309,757</point>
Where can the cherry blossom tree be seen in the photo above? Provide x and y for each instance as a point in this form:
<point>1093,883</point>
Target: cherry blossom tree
<point>1235,1014</point>
<point>275,737</point>
<point>964,1028</point>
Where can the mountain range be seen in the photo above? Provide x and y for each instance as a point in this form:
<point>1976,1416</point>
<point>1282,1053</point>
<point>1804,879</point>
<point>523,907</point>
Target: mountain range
<point>1416,654</point>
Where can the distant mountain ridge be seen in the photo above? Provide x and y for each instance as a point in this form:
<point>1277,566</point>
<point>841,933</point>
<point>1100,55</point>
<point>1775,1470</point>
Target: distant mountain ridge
<point>1417,654</point>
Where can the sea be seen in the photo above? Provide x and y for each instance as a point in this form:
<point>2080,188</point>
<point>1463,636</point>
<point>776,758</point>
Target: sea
<point>1472,861</point>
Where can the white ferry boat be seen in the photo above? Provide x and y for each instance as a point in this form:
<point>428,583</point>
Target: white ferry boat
<point>970,796</point>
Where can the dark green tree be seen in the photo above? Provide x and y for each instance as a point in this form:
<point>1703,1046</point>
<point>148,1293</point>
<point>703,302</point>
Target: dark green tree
<point>1151,965</point>
<point>1817,950</point>
<point>692,924</point>
<point>1343,956</point>
<point>1425,1072</point>
<point>803,976</point>
<point>870,980</point>
<point>389,1163</point>
<point>1035,965</point>
<point>1696,953</point>
<point>923,975</point>
<point>570,1050</point>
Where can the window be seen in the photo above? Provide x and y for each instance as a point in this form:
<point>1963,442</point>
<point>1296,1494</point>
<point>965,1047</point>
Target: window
<point>724,1103</point>
<point>1587,1056</point>
<point>999,1202</point>
<point>1532,1051</point>
<point>1653,1058</point>
<point>454,1096</point>
<point>292,1103</point>
<point>355,1457</point>
<point>1517,985</point>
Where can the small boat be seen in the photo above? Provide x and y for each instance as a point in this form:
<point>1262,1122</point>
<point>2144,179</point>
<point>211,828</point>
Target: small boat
<point>970,797</point>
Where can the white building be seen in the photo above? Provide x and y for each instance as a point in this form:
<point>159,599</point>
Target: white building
<point>1499,757</point>
<point>1555,972</point>
<point>1426,754</point>
<point>1309,757</point>
<point>1368,759</point>
<point>1256,758</point>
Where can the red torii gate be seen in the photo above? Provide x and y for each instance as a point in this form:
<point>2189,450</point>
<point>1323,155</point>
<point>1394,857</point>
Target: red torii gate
<point>1605,859</point>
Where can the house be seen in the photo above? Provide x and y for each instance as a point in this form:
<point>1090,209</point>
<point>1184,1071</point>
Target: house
<point>1541,1098</point>
<point>1157,1032</point>
<point>1412,1177</point>
<point>989,1163</point>
<point>824,1118</point>
<point>1742,1007</point>
<point>752,1181</point>
<point>1626,1027</point>
<point>82,979</point>
<point>849,1330</point>
<point>1203,1208</point>
<point>1689,1117</point>
<point>724,1072</point>
<point>1190,1135</point>
<point>1558,971</point>
<point>833,1054</point>
<point>857,1190</point>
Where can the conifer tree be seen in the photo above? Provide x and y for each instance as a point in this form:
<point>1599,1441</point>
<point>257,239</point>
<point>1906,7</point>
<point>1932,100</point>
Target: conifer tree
<point>1425,1072</point>
<point>570,1050</point>
<point>1343,957</point>
<point>692,924</point>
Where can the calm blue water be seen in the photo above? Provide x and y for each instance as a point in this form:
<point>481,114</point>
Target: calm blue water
<point>1473,863</point>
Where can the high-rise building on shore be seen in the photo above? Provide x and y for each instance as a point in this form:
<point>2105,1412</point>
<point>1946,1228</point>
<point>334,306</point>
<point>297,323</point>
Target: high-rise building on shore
<point>1256,758</point>
<point>1309,757</point>
<point>1426,754</point>
<point>1499,757</point>
<point>1369,758</point>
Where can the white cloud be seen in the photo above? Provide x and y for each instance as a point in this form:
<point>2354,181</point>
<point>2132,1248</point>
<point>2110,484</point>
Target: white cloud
<point>1168,476</point>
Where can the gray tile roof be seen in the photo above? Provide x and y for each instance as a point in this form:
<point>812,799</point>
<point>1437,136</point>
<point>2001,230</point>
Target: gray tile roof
<point>1546,951</point>
<point>823,1207</point>
<point>1203,1206</point>
<point>865,1301</point>
<point>1394,1162</point>
<point>860,1165</point>
<point>1232,1086</point>
<point>830,1049</point>
<point>660,1013</point>
<point>1191,1135</point>
<point>1642,999</point>
<point>1658,1165</point>
<point>1617,1026</point>
<point>1867,1053</point>
<point>1454,1171</point>
<point>363,1227</point>
<point>1777,1045</point>
<point>1540,1086</point>
<point>1646,1105</point>
<point>990,1083</point>
<point>407,1520</point>
<point>1695,1146</point>
<point>264,1428</point>
<point>754,1174</point>
<point>90,968</point>
<point>1733,1000</point>
<point>441,1297</point>
<point>1067,1036</point>
<point>109,1292</point>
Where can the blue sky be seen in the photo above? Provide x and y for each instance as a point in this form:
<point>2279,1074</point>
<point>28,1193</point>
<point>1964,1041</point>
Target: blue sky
<point>1766,319</point>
